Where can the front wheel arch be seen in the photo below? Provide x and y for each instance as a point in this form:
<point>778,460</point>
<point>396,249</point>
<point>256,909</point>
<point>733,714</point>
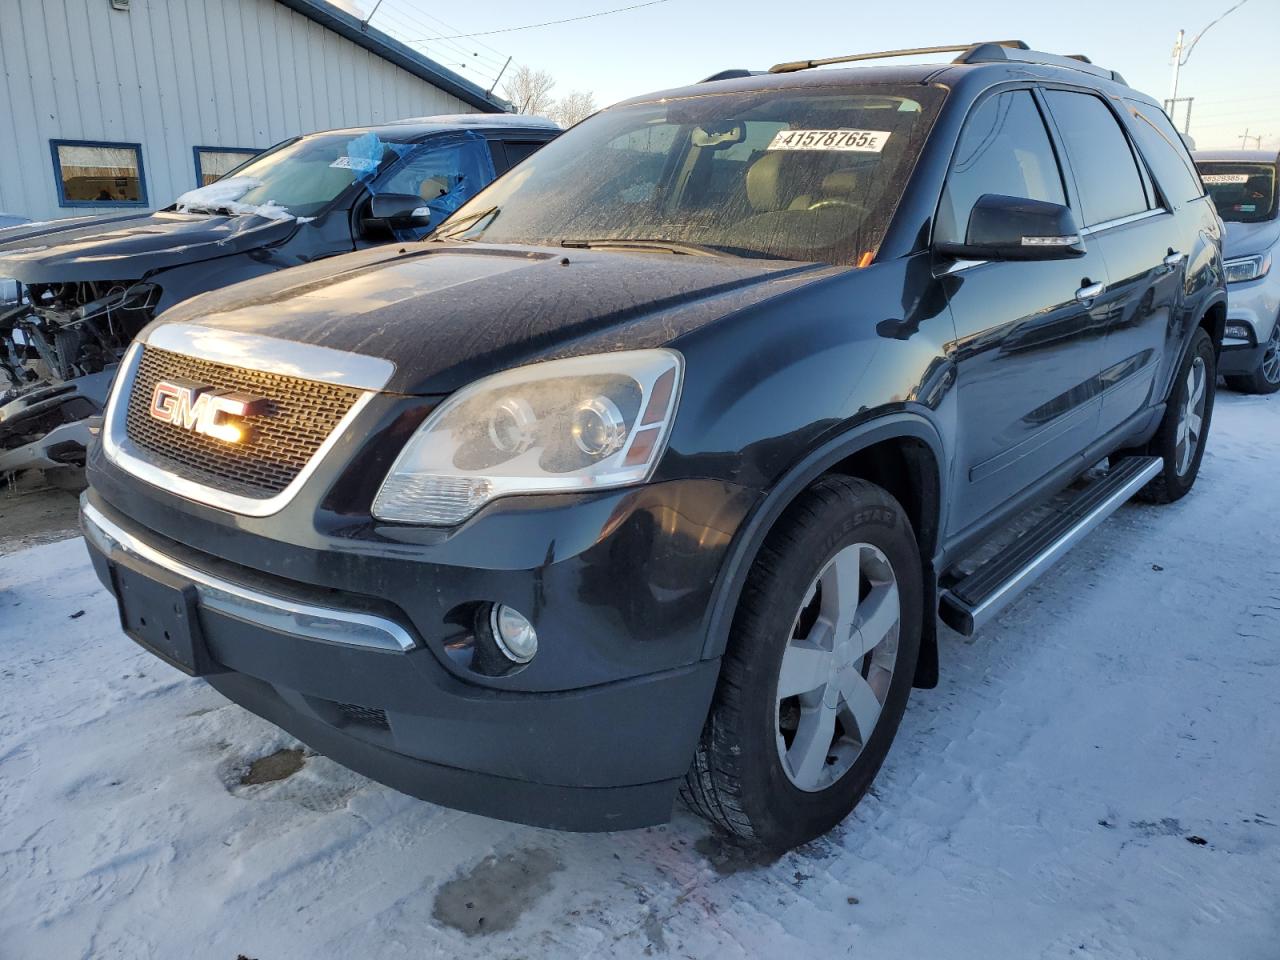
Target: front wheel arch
<point>849,454</point>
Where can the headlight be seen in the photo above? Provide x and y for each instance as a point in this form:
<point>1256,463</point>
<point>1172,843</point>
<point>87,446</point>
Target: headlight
<point>1247,268</point>
<point>583,423</point>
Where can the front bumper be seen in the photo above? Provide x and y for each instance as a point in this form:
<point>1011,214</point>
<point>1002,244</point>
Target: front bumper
<point>358,680</point>
<point>1256,306</point>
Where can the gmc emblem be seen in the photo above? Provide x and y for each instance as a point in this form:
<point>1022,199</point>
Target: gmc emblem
<point>204,410</point>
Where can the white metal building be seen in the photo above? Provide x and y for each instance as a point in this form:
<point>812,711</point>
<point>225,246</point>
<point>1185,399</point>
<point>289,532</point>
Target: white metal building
<point>110,105</point>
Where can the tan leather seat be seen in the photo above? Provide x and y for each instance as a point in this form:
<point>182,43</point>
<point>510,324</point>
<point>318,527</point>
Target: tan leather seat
<point>840,185</point>
<point>433,187</point>
<point>765,187</point>
<point>764,183</point>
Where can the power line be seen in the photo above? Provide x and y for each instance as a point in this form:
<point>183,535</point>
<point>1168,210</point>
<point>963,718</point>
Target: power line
<point>548,23</point>
<point>1260,115</point>
<point>406,24</point>
<point>401,24</point>
<point>1234,100</point>
<point>397,17</point>
<point>457,30</point>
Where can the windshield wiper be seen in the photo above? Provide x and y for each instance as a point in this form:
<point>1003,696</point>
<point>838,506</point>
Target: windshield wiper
<point>645,243</point>
<point>461,226</point>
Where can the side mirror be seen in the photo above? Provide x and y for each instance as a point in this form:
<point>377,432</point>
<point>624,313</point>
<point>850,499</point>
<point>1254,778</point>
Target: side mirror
<point>398,211</point>
<point>1015,228</point>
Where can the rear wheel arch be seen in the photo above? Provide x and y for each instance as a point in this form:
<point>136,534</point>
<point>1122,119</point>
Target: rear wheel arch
<point>900,452</point>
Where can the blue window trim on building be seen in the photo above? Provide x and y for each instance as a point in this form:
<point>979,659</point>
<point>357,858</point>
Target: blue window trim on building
<point>249,154</point>
<point>57,173</point>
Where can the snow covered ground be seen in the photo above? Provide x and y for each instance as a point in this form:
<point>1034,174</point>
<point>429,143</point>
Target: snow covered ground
<point>1098,776</point>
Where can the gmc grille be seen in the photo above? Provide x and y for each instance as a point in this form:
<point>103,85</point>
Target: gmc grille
<point>299,416</point>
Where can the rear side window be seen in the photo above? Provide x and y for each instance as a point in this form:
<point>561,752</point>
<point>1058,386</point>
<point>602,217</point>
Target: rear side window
<point>1165,152</point>
<point>1004,149</point>
<point>519,150</point>
<point>1106,172</point>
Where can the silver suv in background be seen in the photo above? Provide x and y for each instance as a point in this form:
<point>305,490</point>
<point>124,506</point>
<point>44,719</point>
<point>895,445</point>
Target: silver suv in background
<point>1243,185</point>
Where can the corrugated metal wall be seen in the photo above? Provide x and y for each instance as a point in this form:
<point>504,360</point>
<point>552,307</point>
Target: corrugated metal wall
<point>173,74</point>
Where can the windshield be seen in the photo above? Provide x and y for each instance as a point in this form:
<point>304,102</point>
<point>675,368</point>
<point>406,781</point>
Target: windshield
<point>796,174</point>
<point>1243,192</point>
<point>299,179</point>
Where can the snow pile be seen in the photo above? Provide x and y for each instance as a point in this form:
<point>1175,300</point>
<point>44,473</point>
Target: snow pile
<point>225,194</point>
<point>1097,778</point>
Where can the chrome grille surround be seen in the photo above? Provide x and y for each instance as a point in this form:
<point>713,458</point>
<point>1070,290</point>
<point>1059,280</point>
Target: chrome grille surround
<point>299,417</point>
<point>347,382</point>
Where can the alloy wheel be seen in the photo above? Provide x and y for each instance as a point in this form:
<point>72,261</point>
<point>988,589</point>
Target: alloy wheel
<point>1191,417</point>
<point>837,668</point>
<point>1271,356</point>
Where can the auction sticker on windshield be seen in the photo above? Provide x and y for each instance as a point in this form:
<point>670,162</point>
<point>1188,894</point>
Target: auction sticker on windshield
<point>359,164</point>
<point>1225,178</point>
<point>858,141</point>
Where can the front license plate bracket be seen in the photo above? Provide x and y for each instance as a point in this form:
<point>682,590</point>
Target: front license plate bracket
<point>160,612</point>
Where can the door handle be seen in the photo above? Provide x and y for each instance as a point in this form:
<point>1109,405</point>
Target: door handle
<point>1174,258</point>
<point>1091,291</point>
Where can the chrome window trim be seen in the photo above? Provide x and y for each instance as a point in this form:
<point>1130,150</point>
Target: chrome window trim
<point>323,624</point>
<point>959,266</point>
<point>288,358</point>
<point>121,451</point>
<point>1121,221</point>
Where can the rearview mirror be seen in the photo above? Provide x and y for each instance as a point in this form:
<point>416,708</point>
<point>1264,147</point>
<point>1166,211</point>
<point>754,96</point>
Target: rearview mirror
<point>399,211</point>
<point>718,135</point>
<point>1015,228</point>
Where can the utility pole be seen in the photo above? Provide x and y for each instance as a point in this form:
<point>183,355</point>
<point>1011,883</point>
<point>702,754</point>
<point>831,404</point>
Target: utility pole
<point>1182,50</point>
<point>1246,137</point>
<point>1177,65</point>
<point>1171,108</point>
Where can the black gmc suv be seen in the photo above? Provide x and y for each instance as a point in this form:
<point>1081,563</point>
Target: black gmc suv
<point>653,469</point>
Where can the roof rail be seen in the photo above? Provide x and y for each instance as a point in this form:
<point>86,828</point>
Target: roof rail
<point>999,52</point>
<point>990,51</point>
<point>797,65</point>
<point>733,73</point>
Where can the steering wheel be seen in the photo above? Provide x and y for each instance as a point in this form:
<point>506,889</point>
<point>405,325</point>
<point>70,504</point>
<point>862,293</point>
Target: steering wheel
<point>821,204</point>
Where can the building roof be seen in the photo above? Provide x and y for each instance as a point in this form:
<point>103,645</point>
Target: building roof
<point>346,25</point>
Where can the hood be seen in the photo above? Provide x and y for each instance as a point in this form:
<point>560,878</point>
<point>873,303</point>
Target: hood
<point>1247,239</point>
<point>128,247</point>
<point>447,314</point>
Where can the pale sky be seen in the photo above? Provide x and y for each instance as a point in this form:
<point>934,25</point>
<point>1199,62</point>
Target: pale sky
<point>1233,73</point>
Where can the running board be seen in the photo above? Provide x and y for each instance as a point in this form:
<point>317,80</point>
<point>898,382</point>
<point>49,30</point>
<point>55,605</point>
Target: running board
<point>968,604</point>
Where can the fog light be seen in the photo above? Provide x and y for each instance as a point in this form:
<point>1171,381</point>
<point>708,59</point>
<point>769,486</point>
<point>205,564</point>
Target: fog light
<point>515,635</point>
<point>1237,331</point>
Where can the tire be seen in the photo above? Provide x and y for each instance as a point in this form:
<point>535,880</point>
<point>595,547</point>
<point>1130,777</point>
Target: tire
<point>1266,378</point>
<point>1180,470</point>
<point>739,779</point>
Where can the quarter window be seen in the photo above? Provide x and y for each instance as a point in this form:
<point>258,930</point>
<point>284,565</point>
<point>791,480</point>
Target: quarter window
<point>89,173</point>
<point>1106,173</point>
<point>1164,150</point>
<point>214,163</point>
<point>1004,149</point>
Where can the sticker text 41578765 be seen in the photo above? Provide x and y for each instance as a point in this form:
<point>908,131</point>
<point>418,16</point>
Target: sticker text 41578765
<point>856,141</point>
